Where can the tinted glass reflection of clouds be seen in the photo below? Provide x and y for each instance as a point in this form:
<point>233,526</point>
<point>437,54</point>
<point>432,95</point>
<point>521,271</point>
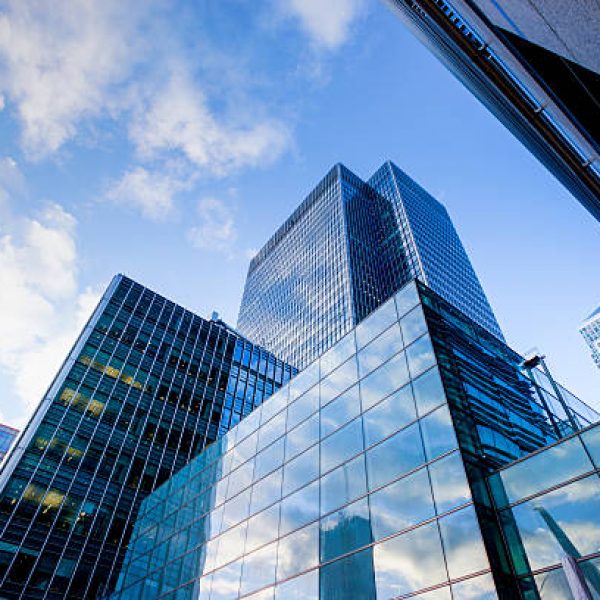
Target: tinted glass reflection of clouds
<point>388,416</point>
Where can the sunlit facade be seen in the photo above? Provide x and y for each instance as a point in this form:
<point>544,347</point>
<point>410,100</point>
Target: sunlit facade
<point>363,477</point>
<point>146,387</point>
<point>7,437</point>
<point>346,249</point>
<point>590,330</point>
<point>535,65</point>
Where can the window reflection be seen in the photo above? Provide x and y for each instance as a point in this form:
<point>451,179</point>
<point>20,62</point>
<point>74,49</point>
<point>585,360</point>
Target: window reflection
<point>591,439</point>
<point>340,411</point>
<point>375,323</point>
<point>266,491</point>
<point>298,552</point>
<point>476,588</point>
<point>303,436</point>
<point>269,459</point>
<point>428,391</point>
<point>226,581</point>
<point>305,587</point>
<point>262,528</point>
<point>302,408</point>
<point>449,482</point>
<point>384,381</point>
<point>413,325</point>
<point>338,381</point>
<point>341,352</point>
<point>342,445</point>
<point>438,433</point>
<point>301,470</point>
<point>300,508</point>
<point>343,485</point>
<point>420,356</point>
<point>407,298</point>
<point>259,568</point>
<point>349,578</point>
<point>379,350</point>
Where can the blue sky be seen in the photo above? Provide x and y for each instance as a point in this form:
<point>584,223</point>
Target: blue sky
<point>168,141</point>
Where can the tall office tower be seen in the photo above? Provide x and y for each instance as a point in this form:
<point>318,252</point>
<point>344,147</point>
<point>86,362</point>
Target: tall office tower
<point>347,248</point>
<point>146,387</point>
<point>590,330</point>
<point>7,437</point>
<point>397,465</point>
<point>535,65</point>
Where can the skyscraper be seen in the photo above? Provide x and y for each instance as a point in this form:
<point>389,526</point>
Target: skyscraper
<point>536,66</point>
<point>399,464</point>
<point>347,248</point>
<point>146,387</point>
<point>590,330</point>
<point>7,437</point>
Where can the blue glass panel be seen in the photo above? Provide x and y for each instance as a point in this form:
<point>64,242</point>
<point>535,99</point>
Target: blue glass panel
<point>269,432</point>
<point>591,440</point>
<point>477,588</point>
<point>262,528</point>
<point>338,381</point>
<point>235,509</point>
<point>428,391</point>
<point>397,455</point>
<point>345,530</point>
<point>401,504</point>
<point>300,508</point>
<point>375,323</point>
<point>335,356</point>
<point>379,350</point>
<point>438,433</point>
<point>303,436</point>
<point>340,411</point>
<point>305,587</point>
<point>240,478</point>
<point>413,325</point>
<point>298,552</point>
<point>343,485</point>
<point>349,578</point>
<point>304,380</point>
<point>420,356</point>
<point>302,408</point>
<point>385,380</point>
<point>449,482</point>
<point>300,470</point>
<point>259,569</point>
<point>342,445</point>
<point>266,491</point>
<point>269,459</point>
<point>409,562</point>
<point>389,416</point>
<point>230,545</point>
<point>407,298</point>
<point>226,581</point>
<point>244,450</point>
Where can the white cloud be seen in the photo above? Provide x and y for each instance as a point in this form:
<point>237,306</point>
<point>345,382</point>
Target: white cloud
<point>327,23</point>
<point>216,229</point>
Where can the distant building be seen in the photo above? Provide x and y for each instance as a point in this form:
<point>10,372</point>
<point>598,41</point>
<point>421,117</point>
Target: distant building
<point>590,330</point>
<point>7,437</point>
<point>346,249</point>
<point>535,65</point>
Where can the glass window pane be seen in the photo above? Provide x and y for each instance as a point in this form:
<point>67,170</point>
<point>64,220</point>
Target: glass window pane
<point>464,548</point>
<point>248,424</point>
<point>230,545</point>
<point>305,587</point>
<point>420,356</point>
<point>340,411</point>
<point>342,445</point>
<point>244,450</point>
<point>265,594</point>
<point>388,416</point>
<point>438,433</point>
<point>384,381</point>
<point>349,578</point>
<point>298,552</point>
<point>300,508</point>
<point>407,298</point>
<point>428,391</point>
<point>397,455</point>
<point>338,381</point>
<point>304,380</point>
<point>226,581</point>
<point>339,353</point>
<point>236,509</point>
<point>413,325</point>
<point>375,323</point>
<point>270,431</point>
<point>343,485</point>
<point>301,470</point>
<point>303,436</point>
<point>259,568</point>
<point>450,487</point>
<point>442,593</point>
<point>262,528</point>
<point>379,350</point>
<point>276,403</point>
<point>345,530</point>
<point>269,459</point>
<point>591,439</point>
<point>477,588</point>
<point>409,562</point>
<point>302,408</point>
<point>240,478</point>
<point>266,491</point>
<point>401,504</point>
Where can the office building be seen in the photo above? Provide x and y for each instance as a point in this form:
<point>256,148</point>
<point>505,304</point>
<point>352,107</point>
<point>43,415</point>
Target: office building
<point>347,248</point>
<point>7,437</point>
<point>365,477</point>
<point>590,330</point>
<point>535,65</point>
<point>146,387</point>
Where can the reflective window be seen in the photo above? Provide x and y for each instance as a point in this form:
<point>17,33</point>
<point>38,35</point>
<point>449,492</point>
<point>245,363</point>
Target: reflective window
<point>343,485</point>
<point>300,508</point>
<point>384,381</point>
<point>341,352</point>
<point>349,578</point>
<point>301,470</point>
<point>401,504</point>
<point>244,450</point>
<point>304,380</point>
<point>340,411</point>
<point>338,381</point>
<point>270,431</point>
<point>305,587</point>
<point>463,545</point>
<point>345,530</point>
<point>591,439</point>
<point>438,433</point>
<point>407,298</point>
<point>398,454</point>
<point>379,350</point>
<point>303,436</point>
<point>226,581</point>
<point>476,588</point>
<point>302,408</point>
<point>276,403</point>
<point>262,528</point>
<point>388,416</point>
<point>342,445</point>
<point>428,391</point>
<point>420,356</point>
<point>266,491</point>
<point>449,482</point>
<point>413,325</point>
<point>236,509</point>
<point>269,459</point>
<point>298,551</point>
<point>375,323</point>
<point>409,562</point>
<point>442,593</point>
<point>248,424</point>
<point>258,569</point>
<point>240,478</point>
<point>230,545</point>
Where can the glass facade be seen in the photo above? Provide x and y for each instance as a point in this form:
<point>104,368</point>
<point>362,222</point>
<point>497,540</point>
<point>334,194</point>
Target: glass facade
<point>346,249</point>
<point>360,478</point>
<point>590,330</point>
<point>7,437</point>
<point>146,387</point>
<point>535,65</point>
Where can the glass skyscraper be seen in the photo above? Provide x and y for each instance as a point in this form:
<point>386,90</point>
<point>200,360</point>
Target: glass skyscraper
<point>146,387</point>
<point>347,248</point>
<point>535,65</point>
<point>7,437</point>
<point>368,476</point>
<point>590,330</point>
